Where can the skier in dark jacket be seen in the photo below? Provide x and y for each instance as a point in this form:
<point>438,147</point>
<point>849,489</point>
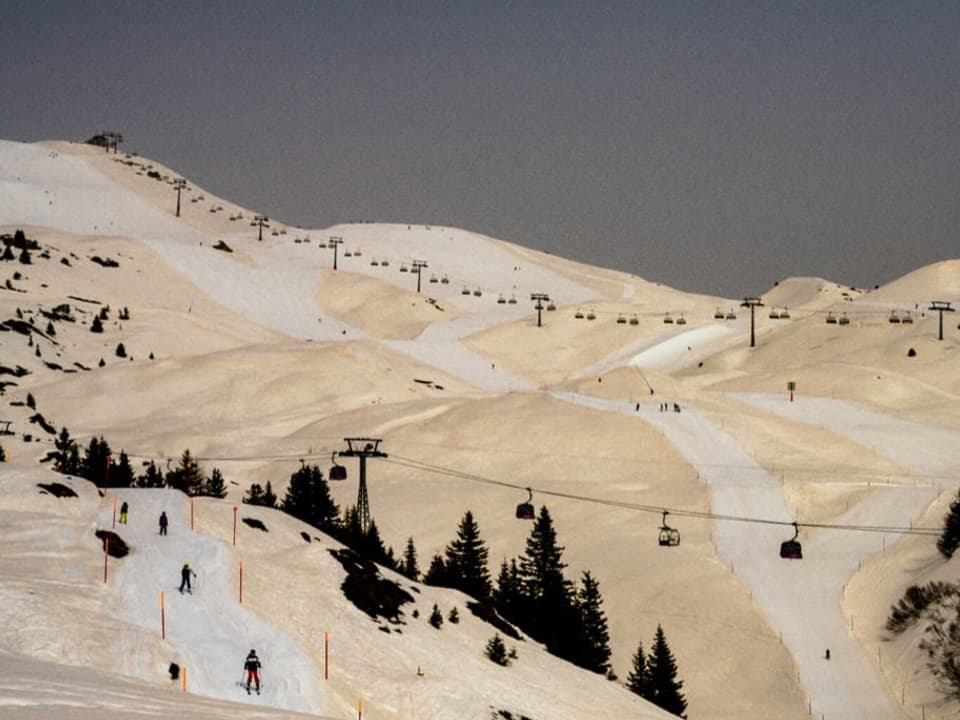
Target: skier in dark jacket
<point>185,573</point>
<point>252,666</point>
<point>163,522</point>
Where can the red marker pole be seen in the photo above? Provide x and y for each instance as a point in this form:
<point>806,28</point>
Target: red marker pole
<point>114,512</point>
<point>106,554</point>
<point>163,618</point>
<point>235,528</point>
<point>241,582</point>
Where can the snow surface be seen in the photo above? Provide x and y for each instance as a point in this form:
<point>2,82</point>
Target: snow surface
<point>281,287</point>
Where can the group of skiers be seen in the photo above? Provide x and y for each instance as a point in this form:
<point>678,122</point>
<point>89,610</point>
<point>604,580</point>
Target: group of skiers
<point>251,665</point>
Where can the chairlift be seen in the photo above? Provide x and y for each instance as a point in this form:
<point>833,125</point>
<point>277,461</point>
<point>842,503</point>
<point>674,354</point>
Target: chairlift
<point>667,320</point>
<point>681,320</point>
<point>337,472</point>
<point>358,253</point>
<point>591,315</point>
<point>384,263</point>
<point>501,300</point>
<point>621,320</point>
<point>894,318</point>
<point>831,320</point>
<point>403,268</point>
<point>465,291</point>
<point>578,314</point>
<point>347,253</point>
<point>444,280</point>
<point>669,537</point>
<point>774,315</point>
<point>634,320</point>
<point>792,549</point>
<point>844,320</point>
<point>322,244</point>
<point>525,510</point>
<point>374,262</point>
<point>718,315</point>
<point>551,307</point>
<point>784,314</point>
<point>433,279</point>
<point>731,315</point>
<point>478,292</point>
<point>907,319</point>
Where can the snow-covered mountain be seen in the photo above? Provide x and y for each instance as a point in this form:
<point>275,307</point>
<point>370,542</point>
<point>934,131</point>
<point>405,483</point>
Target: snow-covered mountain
<point>255,353</point>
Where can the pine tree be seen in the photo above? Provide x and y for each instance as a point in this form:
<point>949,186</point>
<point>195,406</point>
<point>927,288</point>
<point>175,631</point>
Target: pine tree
<point>121,474</point>
<point>151,478</point>
<point>67,457</point>
<point>496,650</point>
<point>950,537</point>
<point>662,669</point>
<point>25,257</point>
<point>187,477</point>
<point>96,462</point>
<point>96,326</point>
<point>638,681</point>
<point>270,497</point>
<point>409,566</point>
<point>595,652</point>
<point>466,560</point>
<point>8,253</point>
<point>436,619</point>
<point>308,498</point>
<point>215,486</point>
<point>254,495</point>
<point>437,572</point>
<point>506,597</point>
<point>548,598</point>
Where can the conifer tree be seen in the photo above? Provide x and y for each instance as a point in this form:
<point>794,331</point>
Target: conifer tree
<point>95,462</point>
<point>506,597</point>
<point>8,253</point>
<point>466,560</point>
<point>121,474</point>
<point>409,566</point>
<point>950,537</point>
<point>436,618</point>
<point>308,498</point>
<point>664,686</point>
<point>437,572</point>
<point>215,486</point>
<point>151,478</point>
<point>270,498</point>
<point>254,495</point>
<point>67,457</point>
<point>96,326</point>
<point>638,681</point>
<point>496,650</point>
<point>548,598</point>
<point>595,651</point>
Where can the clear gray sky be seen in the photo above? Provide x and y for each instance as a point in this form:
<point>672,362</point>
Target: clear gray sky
<point>714,146</point>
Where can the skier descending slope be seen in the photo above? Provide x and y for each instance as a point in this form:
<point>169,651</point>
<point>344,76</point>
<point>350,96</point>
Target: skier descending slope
<point>252,666</point>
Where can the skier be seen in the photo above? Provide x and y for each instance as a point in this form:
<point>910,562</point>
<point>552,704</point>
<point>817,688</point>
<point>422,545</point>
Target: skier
<point>163,522</point>
<point>185,573</point>
<point>252,666</point>
<point>123,513</point>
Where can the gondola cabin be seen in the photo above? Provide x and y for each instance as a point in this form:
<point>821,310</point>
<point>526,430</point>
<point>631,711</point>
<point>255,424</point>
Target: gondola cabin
<point>792,549</point>
<point>668,536</point>
<point>525,510</point>
<point>337,471</point>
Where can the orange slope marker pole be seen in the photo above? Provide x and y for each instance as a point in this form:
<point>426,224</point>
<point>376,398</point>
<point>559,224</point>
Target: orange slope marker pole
<point>184,680</point>
<point>234,525</point>
<point>359,709</point>
<point>163,617</point>
<point>114,525</point>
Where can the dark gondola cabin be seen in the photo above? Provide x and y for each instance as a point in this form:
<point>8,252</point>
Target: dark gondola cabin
<point>337,471</point>
<point>525,510</point>
<point>792,549</point>
<point>668,537</point>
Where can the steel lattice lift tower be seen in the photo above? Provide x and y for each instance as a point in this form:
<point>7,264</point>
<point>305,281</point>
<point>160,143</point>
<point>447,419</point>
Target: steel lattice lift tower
<point>363,448</point>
